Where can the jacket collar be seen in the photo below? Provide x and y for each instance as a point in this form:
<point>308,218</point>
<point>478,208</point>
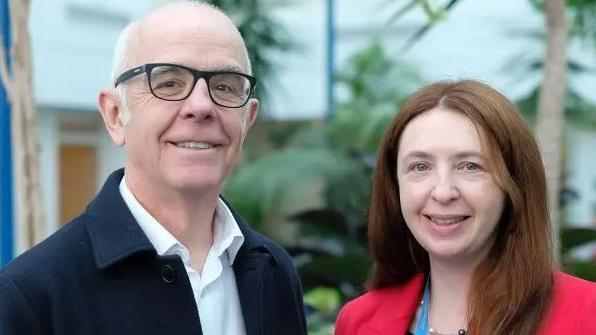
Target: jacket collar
<point>116,235</point>
<point>397,307</point>
<point>114,232</point>
<point>253,242</point>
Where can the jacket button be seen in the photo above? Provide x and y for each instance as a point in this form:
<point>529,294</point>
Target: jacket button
<point>168,274</point>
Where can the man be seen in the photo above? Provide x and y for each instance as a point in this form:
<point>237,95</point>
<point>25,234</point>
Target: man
<point>158,251</point>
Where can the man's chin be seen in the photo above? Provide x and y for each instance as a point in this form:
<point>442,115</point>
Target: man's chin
<point>192,183</point>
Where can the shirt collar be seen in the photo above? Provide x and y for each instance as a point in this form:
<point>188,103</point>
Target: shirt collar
<point>227,237</point>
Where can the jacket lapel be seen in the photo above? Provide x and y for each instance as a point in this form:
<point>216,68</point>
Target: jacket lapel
<point>249,272</point>
<point>250,265</point>
<point>398,308</point>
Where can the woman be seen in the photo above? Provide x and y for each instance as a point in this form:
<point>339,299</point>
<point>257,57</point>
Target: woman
<point>459,226</point>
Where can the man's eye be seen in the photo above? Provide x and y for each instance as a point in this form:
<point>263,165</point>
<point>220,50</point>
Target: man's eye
<point>168,84</point>
<point>224,88</point>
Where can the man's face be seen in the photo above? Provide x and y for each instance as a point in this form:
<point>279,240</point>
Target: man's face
<point>188,145</point>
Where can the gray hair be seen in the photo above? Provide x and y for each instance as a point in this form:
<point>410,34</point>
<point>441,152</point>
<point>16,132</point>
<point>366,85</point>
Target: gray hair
<point>120,62</point>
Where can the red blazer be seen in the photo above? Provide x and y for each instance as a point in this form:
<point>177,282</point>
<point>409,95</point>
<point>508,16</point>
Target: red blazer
<point>391,310</point>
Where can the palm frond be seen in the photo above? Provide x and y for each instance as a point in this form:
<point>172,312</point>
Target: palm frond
<point>266,180</point>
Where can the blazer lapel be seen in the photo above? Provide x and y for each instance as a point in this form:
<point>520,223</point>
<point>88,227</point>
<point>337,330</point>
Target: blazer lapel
<point>250,266</point>
<point>398,308</point>
<point>249,274</point>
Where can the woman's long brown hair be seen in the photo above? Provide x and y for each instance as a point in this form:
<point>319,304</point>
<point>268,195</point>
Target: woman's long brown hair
<point>512,287</point>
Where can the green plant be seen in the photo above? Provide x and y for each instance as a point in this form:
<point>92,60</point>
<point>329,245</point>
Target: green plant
<point>571,239</point>
<point>328,165</point>
<point>326,301</point>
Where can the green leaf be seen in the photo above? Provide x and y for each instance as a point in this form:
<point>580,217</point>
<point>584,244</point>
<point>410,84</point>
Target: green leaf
<point>572,237</point>
<point>267,179</point>
<point>335,271</point>
<point>583,269</point>
<point>324,299</point>
<point>327,219</point>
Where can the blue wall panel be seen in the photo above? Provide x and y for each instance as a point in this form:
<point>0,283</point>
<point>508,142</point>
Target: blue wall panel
<point>6,207</point>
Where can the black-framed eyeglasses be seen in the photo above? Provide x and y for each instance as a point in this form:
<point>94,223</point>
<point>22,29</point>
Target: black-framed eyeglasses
<point>174,82</point>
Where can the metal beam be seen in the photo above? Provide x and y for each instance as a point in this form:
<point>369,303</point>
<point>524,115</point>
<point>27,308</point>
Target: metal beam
<point>6,187</point>
<point>330,60</point>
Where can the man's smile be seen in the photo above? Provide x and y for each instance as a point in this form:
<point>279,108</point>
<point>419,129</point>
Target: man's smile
<point>195,145</point>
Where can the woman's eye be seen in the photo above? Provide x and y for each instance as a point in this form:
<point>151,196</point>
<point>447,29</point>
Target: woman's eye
<point>420,167</point>
<point>471,166</point>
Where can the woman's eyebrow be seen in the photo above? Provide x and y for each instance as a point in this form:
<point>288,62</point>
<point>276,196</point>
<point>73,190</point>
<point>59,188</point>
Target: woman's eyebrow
<point>417,154</point>
<point>467,154</point>
<point>426,155</point>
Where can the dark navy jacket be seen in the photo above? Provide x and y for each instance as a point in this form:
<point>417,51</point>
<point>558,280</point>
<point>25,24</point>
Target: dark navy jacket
<point>100,275</point>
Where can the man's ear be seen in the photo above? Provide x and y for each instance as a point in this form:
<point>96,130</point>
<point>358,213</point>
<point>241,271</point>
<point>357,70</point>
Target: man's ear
<point>252,110</point>
<point>112,115</point>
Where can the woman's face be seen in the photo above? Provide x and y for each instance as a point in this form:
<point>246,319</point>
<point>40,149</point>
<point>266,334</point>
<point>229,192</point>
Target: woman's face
<point>449,198</point>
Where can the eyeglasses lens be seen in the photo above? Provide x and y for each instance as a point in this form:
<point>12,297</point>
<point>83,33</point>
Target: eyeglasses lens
<point>175,83</point>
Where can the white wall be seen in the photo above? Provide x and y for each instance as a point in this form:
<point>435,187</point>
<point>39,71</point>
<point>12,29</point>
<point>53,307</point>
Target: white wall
<point>47,132</point>
<point>72,47</point>
<point>581,167</point>
<point>300,84</point>
<point>110,157</point>
<point>476,40</point>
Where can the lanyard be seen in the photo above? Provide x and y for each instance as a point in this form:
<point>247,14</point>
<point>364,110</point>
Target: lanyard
<point>422,326</point>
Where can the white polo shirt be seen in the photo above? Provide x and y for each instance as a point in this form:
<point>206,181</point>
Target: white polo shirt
<point>214,290</point>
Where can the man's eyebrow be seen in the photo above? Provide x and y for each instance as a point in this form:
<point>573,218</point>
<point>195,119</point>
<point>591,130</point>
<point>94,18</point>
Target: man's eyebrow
<point>228,68</point>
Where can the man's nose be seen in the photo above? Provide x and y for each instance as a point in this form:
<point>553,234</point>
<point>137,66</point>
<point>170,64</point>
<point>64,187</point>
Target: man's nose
<point>198,105</point>
<point>445,188</point>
